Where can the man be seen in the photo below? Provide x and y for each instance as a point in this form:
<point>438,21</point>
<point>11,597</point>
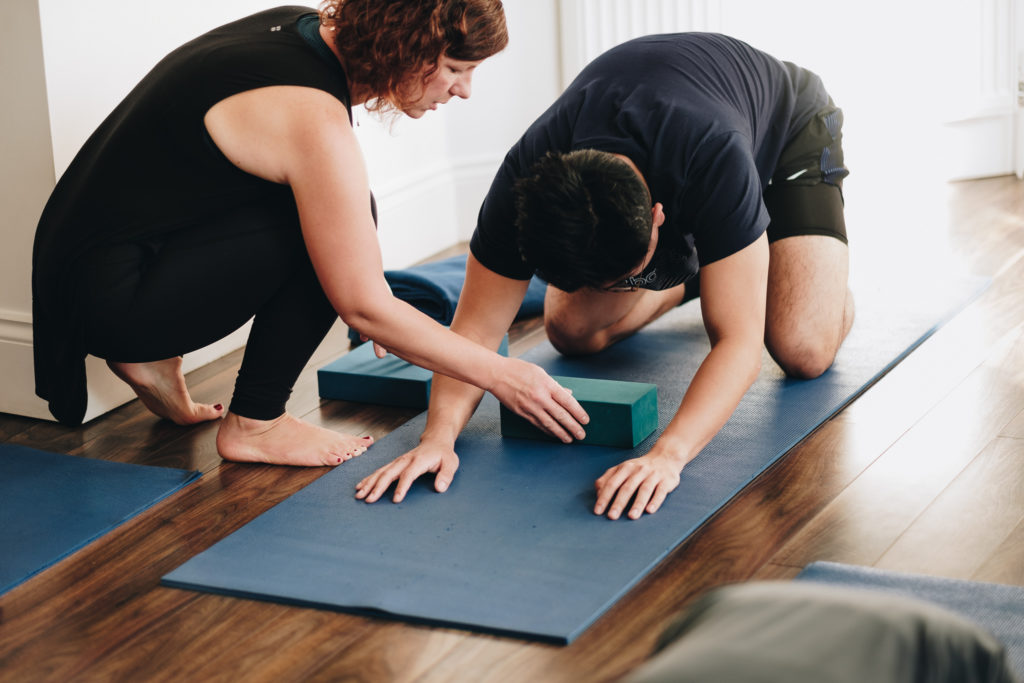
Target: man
<point>672,165</point>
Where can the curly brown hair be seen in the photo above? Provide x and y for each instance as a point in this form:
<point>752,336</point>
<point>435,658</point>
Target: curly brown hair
<point>385,44</point>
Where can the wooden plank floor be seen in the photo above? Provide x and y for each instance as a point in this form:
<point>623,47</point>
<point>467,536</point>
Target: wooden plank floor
<point>923,473</point>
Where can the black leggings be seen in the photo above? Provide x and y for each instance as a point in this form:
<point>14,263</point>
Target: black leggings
<point>163,298</point>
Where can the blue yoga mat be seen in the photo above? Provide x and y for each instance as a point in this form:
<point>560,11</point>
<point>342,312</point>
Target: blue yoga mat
<point>434,289</point>
<point>513,547</point>
<point>997,608</point>
<point>51,505</point>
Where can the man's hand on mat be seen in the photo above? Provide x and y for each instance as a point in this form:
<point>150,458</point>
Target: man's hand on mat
<point>531,393</point>
<point>650,477</point>
<point>408,468</point>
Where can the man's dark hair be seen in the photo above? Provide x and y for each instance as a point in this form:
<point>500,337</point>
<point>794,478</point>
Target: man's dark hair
<point>583,219</point>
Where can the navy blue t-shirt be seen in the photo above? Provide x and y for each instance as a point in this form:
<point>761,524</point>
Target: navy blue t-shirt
<point>703,116</point>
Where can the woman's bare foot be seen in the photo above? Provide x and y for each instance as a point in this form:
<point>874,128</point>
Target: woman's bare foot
<point>285,440</point>
<point>161,387</point>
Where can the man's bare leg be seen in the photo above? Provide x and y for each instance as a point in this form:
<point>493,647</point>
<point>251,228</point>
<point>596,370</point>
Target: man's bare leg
<point>161,387</point>
<point>810,307</point>
<point>589,320</point>
<point>285,440</point>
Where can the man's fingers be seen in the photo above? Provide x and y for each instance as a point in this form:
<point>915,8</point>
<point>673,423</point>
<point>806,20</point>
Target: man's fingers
<point>410,474</point>
<point>660,493</point>
<point>445,475</point>
<point>367,483</point>
<point>626,491</point>
<point>607,485</point>
<point>643,496</point>
<point>386,476</point>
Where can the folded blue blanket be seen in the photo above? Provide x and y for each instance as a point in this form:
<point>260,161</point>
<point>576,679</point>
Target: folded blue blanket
<point>434,289</point>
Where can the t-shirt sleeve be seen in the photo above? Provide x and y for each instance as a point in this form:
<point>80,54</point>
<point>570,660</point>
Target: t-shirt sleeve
<point>723,201</point>
<point>494,242</point>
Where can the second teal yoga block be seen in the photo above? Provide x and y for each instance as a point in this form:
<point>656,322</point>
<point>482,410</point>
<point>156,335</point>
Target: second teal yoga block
<point>622,414</point>
<point>361,377</point>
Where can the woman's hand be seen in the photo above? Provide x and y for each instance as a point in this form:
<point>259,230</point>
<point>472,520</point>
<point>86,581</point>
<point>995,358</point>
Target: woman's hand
<point>378,350</point>
<point>407,468</point>
<point>650,478</point>
<point>530,392</point>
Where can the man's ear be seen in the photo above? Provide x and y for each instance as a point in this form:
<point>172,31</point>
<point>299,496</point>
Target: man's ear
<point>657,214</point>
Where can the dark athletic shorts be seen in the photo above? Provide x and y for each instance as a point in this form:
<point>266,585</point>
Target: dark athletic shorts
<point>804,196</point>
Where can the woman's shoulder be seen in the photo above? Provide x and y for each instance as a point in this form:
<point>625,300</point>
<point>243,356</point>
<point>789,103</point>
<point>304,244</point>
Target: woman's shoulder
<point>261,50</point>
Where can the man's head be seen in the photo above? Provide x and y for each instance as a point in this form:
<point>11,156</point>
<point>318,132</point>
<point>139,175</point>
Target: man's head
<point>583,218</point>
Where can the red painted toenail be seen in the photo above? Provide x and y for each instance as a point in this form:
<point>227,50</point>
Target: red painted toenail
<point>218,407</point>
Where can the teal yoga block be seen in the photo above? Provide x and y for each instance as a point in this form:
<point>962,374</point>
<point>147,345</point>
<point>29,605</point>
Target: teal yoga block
<point>361,377</point>
<point>622,414</point>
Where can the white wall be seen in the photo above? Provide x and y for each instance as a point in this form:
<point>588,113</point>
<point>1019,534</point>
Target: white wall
<point>509,92</point>
<point>71,62</point>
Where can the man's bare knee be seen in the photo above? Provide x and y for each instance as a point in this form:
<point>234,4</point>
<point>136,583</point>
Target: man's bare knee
<point>571,342</point>
<point>803,347</point>
<point>804,361</point>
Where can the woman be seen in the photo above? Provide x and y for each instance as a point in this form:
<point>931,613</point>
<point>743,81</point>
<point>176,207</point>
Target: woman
<point>229,184</point>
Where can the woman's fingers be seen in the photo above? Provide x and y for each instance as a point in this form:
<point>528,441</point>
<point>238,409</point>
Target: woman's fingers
<point>558,413</point>
<point>574,410</point>
<point>531,393</point>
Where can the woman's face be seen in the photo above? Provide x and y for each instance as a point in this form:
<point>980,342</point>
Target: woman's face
<point>451,78</point>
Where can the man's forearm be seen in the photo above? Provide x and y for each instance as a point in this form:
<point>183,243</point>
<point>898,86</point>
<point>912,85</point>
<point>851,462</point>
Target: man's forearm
<point>721,381</point>
<point>452,403</point>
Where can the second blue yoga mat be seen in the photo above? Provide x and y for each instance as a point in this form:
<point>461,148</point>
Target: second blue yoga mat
<point>51,504</point>
<point>997,608</point>
<point>513,547</point>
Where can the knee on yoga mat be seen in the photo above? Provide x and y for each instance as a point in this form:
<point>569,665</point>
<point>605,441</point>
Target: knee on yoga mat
<point>570,340</point>
<point>800,358</point>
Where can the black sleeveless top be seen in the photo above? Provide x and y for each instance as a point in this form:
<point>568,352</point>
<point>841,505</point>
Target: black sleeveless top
<point>151,168</point>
